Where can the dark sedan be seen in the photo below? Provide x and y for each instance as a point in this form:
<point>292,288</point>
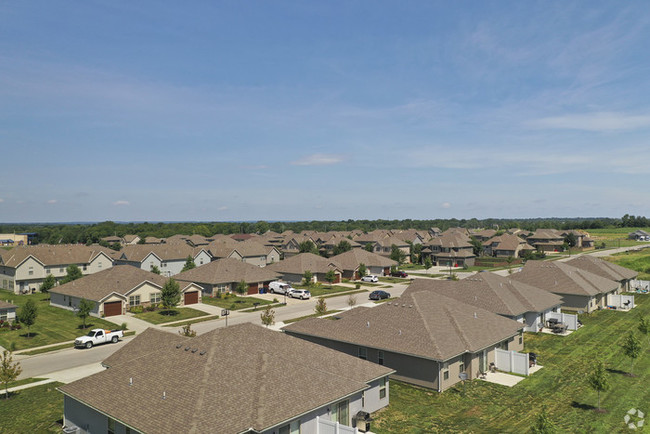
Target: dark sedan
<point>399,273</point>
<point>378,295</point>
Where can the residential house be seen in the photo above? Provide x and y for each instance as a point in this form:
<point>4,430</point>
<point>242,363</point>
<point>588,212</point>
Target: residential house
<point>130,239</point>
<point>434,232</point>
<point>506,245</point>
<point>506,297</point>
<point>292,269</point>
<point>153,240</point>
<point>251,252</point>
<point>223,275</point>
<point>23,268</point>
<point>639,235</point>
<point>116,290</point>
<point>427,338</point>
<point>375,264</point>
<point>164,383</point>
<point>384,247</point>
<point>605,269</point>
<point>168,258</point>
<point>581,290</point>
<point>546,240</point>
<point>113,239</point>
<point>7,311</point>
<point>452,249</point>
<point>484,234</point>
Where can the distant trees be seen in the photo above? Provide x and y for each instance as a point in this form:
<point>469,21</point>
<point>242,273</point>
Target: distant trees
<point>342,247</point>
<point>598,379</point>
<point>308,247</point>
<point>27,315</point>
<point>369,247</point>
<point>48,283</point>
<point>84,309</point>
<point>396,254</point>
<point>72,273</point>
<point>477,246</point>
<point>362,270</point>
<point>570,239</point>
<point>189,264</point>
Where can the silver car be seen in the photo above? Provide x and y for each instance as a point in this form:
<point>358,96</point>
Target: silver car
<point>302,294</point>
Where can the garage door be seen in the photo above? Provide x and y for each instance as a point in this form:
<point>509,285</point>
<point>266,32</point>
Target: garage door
<point>252,288</point>
<point>113,308</point>
<point>192,297</point>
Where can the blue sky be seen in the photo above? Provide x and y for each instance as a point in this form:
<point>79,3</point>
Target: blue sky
<point>323,110</point>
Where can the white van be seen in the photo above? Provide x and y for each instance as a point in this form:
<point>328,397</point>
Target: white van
<point>278,287</point>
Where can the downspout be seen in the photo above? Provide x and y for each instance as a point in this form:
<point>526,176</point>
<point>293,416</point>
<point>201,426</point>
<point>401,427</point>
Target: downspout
<point>439,379</point>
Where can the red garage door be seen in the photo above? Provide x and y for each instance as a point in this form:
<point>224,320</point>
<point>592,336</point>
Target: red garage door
<point>113,308</point>
<point>192,297</point>
<point>252,288</point>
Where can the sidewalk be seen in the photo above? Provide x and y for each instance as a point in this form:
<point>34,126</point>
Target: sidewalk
<point>65,376</point>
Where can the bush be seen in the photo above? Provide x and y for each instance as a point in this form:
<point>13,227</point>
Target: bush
<point>136,309</point>
<point>275,300</point>
<point>357,285</point>
<point>123,326</point>
<point>233,306</point>
<point>150,308</point>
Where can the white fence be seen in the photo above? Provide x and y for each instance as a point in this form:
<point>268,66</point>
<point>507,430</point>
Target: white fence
<point>570,319</point>
<point>512,361</point>
<point>641,284</point>
<point>620,301</point>
<point>324,426</point>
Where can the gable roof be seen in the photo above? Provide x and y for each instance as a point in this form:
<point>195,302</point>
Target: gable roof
<point>227,270</point>
<point>302,262</point>
<point>492,292</point>
<point>602,268</point>
<point>203,391</point>
<point>166,252</point>
<point>49,254</point>
<point>424,324</point>
<point>351,259</point>
<point>561,278</point>
<point>7,305</point>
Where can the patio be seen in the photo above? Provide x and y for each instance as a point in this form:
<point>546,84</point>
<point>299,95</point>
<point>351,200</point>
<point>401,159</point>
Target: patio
<point>508,380</point>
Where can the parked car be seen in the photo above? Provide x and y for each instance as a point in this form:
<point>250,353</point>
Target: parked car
<point>302,294</point>
<point>97,337</point>
<point>369,278</point>
<point>280,287</point>
<point>399,273</point>
<point>378,295</point>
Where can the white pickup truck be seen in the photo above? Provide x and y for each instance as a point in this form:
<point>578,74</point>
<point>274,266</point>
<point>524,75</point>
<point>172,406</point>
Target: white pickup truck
<point>98,336</point>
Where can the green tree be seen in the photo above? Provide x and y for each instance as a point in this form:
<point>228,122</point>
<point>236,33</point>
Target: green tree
<point>644,326</point>
<point>84,309</point>
<point>48,283</point>
<point>170,295</point>
<point>242,287</point>
<point>116,246</point>
<point>543,425</point>
<point>369,247</point>
<point>598,379</point>
<point>307,278</point>
<point>187,331</point>
<point>72,273</point>
<point>396,254</point>
<point>427,263</point>
<point>330,276</point>
<point>155,269</point>
<point>362,270</point>
<point>9,371</point>
<point>321,306</point>
<point>189,264</point>
<point>632,348</point>
<point>477,246</point>
<point>308,247</point>
<point>570,239</point>
<point>268,316</point>
<point>342,247</point>
<point>27,315</point>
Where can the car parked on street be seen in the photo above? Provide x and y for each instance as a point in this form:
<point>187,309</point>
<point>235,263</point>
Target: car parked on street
<point>378,295</point>
<point>97,337</point>
<point>399,273</point>
<point>302,294</point>
<point>370,278</point>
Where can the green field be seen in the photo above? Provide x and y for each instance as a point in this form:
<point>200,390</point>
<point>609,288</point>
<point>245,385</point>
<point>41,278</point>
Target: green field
<point>637,261</point>
<point>52,324</point>
<point>163,316</point>
<point>235,302</point>
<point>560,386</point>
<point>37,409</point>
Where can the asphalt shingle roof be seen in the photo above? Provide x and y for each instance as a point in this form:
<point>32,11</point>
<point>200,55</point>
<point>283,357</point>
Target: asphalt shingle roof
<point>602,268</point>
<point>227,270</point>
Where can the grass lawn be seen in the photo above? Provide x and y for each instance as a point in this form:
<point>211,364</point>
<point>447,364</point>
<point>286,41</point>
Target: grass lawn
<point>235,302</point>
<point>313,315</point>
<point>406,280</point>
<point>561,387</point>
<point>162,316</point>
<point>638,261</point>
<point>33,410</point>
<point>21,382</point>
<point>52,324</point>
<point>319,290</point>
<point>193,321</point>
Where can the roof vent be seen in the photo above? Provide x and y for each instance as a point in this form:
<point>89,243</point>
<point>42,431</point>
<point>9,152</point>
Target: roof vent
<point>195,350</point>
<point>202,352</point>
<point>475,316</point>
<point>131,381</point>
<point>179,345</point>
<point>400,332</point>
<point>410,306</point>
<point>164,395</point>
<point>187,348</point>
<point>367,323</point>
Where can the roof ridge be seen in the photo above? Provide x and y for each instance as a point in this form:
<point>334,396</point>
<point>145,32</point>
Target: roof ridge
<point>456,326</point>
<point>426,326</point>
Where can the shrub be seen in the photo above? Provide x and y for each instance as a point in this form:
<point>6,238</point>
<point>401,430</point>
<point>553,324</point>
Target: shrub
<point>357,285</point>
<point>150,308</point>
<point>136,309</point>
<point>123,326</point>
<point>233,306</point>
<point>275,300</point>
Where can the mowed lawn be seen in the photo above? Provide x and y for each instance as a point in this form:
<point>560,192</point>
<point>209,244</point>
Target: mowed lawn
<point>561,387</point>
<point>52,324</point>
<point>637,260</point>
<point>163,316</point>
<point>33,410</point>
<point>235,302</point>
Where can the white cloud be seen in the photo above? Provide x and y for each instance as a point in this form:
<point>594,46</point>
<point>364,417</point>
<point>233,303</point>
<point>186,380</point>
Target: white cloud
<point>318,160</point>
<point>1,200</point>
<point>446,205</point>
<point>222,208</point>
<point>599,121</point>
<point>52,201</point>
<point>121,202</point>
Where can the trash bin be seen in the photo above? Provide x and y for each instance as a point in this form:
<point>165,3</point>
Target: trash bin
<point>362,419</point>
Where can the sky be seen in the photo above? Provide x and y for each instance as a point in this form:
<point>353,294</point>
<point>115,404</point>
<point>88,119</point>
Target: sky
<point>282,110</point>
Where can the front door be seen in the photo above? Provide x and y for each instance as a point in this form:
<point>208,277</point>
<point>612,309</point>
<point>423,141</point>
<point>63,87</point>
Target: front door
<point>482,361</point>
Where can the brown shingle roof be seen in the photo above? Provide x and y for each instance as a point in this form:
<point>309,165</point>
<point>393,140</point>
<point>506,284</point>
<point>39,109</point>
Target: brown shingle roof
<point>227,270</point>
<point>302,262</point>
<point>166,252</point>
<point>603,268</point>
<point>351,259</point>
<point>7,305</point>
<point>47,254</point>
<point>424,324</point>
<point>203,393</point>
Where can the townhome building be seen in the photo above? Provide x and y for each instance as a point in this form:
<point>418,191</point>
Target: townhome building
<point>168,258</point>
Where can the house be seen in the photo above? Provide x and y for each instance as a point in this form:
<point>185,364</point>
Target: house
<point>243,237</point>
<point>113,239</point>
<point>7,311</point>
<point>118,289</point>
<point>506,245</point>
<point>24,268</point>
<point>484,235</point>
<point>375,264</point>
<point>506,297</point>
<point>546,240</point>
<point>427,338</point>
<point>169,258</point>
<point>251,252</point>
<point>384,247</point>
<point>153,240</point>
<point>14,239</point>
<point>293,268</point>
<point>434,232</point>
<point>605,269</point>
<point>165,383</point>
<point>223,275</point>
<point>639,235</point>
<point>581,290</point>
<point>130,239</point>
<point>450,249</point>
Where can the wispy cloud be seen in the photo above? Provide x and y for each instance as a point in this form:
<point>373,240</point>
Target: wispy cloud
<point>222,208</point>
<point>318,160</point>
<point>121,202</point>
<point>445,205</point>
<point>254,167</point>
<point>1,200</point>
<point>600,121</point>
<point>52,201</point>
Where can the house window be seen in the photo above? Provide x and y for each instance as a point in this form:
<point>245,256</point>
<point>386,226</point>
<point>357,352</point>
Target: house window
<point>3,316</point>
<point>99,264</point>
<point>292,428</point>
<point>31,271</point>
<point>445,371</point>
<point>521,337</point>
<point>154,297</point>
<point>461,367</point>
<point>380,357</point>
<point>363,353</point>
<point>341,412</point>
<point>47,271</point>
<point>111,426</point>
<point>363,399</point>
<point>60,270</point>
<point>382,388</point>
<point>134,300</point>
<point>222,288</point>
<point>85,267</point>
<point>164,264</point>
<point>201,262</point>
